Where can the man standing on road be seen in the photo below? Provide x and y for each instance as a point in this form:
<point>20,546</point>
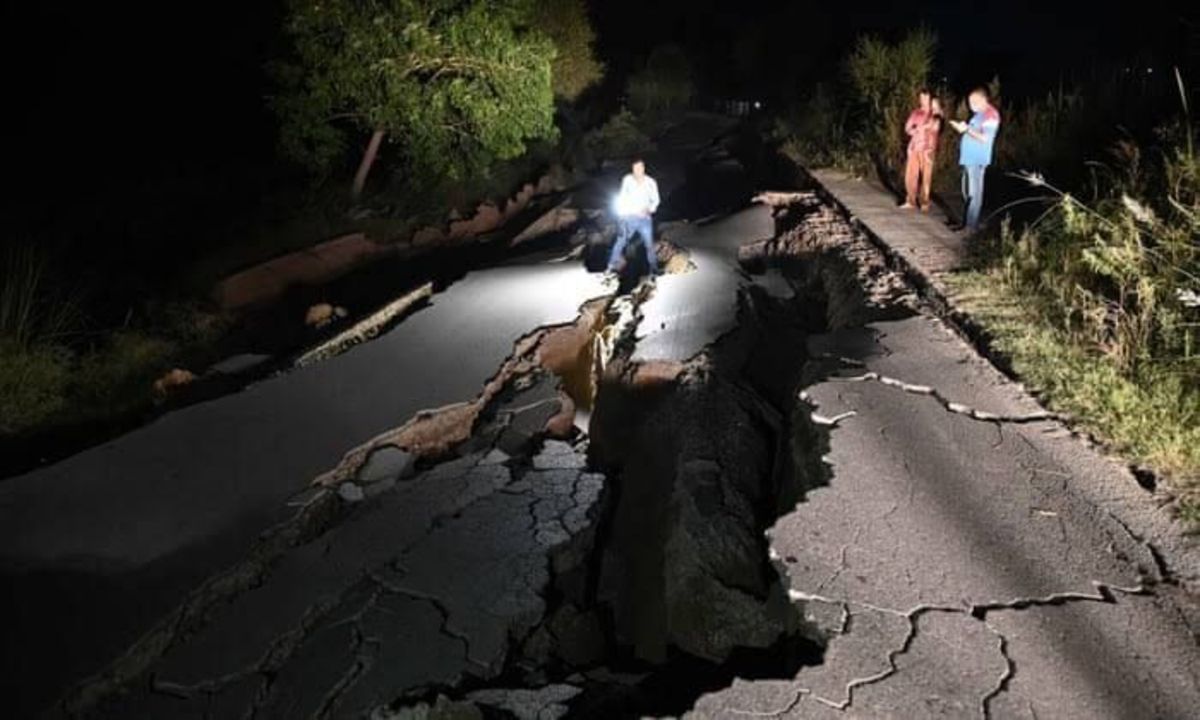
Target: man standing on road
<point>975,152</point>
<point>635,204</point>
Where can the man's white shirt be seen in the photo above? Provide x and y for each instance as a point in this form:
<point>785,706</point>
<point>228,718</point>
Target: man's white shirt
<point>636,197</point>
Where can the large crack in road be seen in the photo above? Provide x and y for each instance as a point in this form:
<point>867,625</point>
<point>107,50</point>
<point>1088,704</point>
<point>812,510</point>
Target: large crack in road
<point>696,498</point>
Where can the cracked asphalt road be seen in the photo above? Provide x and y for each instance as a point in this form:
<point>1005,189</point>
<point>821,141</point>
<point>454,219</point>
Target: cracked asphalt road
<point>94,546</point>
<point>958,566</point>
<point>97,548</point>
<point>964,557</point>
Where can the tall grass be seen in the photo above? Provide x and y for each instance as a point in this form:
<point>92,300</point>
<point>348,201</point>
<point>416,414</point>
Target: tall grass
<point>885,79</point>
<point>34,320</point>
<point>1108,318</point>
<point>856,124</point>
<point>51,372</point>
<point>817,131</point>
<point>1096,294</point>
<point>31,309</point>
<point>1123,269</point>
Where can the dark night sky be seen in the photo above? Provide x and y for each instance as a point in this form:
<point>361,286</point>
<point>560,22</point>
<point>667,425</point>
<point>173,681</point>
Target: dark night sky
<point>1028,43</point>
<point>105,96</point>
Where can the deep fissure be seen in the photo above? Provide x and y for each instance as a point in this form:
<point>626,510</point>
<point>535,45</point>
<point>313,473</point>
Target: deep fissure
<point>755,370</point>
<point>668,589</point>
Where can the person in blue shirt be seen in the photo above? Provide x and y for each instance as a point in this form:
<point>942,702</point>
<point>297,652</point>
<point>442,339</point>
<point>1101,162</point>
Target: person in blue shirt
<point>975,152</point>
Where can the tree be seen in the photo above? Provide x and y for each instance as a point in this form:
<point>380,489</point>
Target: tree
<point>575,66</point>
<point>456,85</point>
<point>664,84</point>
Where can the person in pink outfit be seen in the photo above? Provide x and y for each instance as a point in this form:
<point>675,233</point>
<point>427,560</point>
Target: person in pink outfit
<point>923,127</point>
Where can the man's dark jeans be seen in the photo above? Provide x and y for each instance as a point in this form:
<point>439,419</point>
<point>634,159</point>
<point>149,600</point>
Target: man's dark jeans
<point>629,226</point>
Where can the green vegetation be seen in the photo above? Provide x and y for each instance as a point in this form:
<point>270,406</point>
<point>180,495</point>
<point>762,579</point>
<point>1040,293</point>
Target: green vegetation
<point>33,369</point>
<point>857,124</point>
<point>1153,418</point>
<point>52,373</point>
<point>885,79</point>
<point>456,86</point>
<point>458,99</point>
<point>620,137</point>
<point>664,85</point>
<point>1096,301</point>
<point>575,67</point>
<point>33,384</point>
<point>816,132</point>
<point>30,310</point>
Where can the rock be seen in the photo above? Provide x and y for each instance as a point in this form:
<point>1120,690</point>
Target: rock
<point>380,487</point>
<point>320,315</point>
<point>557,455</point>
<point>548,703</point>
<point>316,265</point>
<point>350,492</point>
<point>562,425</point>
<point>172,381</point>
<point>555,220</point>
<point>428,236</point>
<point>702,499</point>
<point>495,456</point>
<point>306,497</point>
<point>386,463</point>
<point>713,590</point>
<point>580,636</point>
<point>656,372</point>
<point>672,259</point>
<point>780,199</point>
<point>443,709</point>
<point>486,219</point>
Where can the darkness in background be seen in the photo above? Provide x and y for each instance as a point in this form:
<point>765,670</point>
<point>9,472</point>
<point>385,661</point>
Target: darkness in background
<point>137,129</point>
<point>1031,45</point>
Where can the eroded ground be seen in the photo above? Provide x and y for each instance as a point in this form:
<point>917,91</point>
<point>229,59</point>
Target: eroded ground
<point>768,484</point>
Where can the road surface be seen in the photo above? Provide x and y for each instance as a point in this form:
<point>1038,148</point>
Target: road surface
<point>933,546</point>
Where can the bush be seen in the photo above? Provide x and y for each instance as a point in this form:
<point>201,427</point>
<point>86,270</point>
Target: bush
<point>664,84</point>
<point>860,127</point>
<point>620,137</point>
<point>31,311</point>
<point>118,376</point>
<point>816,133</point>
<point>886,79</point>
<point>1150,418</point>
<point>33,384</point>
<point>1124,270</point>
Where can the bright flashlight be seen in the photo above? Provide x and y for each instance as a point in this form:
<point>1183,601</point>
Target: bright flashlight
<point>623,205</point>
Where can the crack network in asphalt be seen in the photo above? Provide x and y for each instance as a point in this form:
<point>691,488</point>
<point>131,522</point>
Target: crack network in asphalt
<point>1104,593</point>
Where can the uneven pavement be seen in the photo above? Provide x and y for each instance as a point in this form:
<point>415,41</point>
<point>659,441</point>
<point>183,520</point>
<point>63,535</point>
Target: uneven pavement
<point>798,494</point>
<point>969,556</point>
<point>116,534</point>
